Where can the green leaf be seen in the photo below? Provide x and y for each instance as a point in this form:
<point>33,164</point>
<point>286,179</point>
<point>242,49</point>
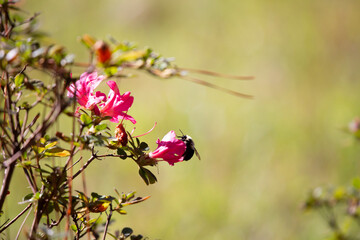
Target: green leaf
<point>88,41</point>
<point>95,195</point>
<point>339,193</point>
<point>121,211</point>
<point>86,119</point>
<point>151,176</point>
<point>73,227</point>
<point>31,198</point>
<point>112,235</point>
<point>91,221</point>
<point>130,195</point>
<point>147,176</point>
<point>356,183</point>
<point>83,197</point>
<point>144,146</point>
<point>19,79</point>
<point>57,152</point>
<point>101,127</point>
<point>50,145</point>
<point>111,71</point>
<point>122,153</point>
<point>28,196</point>
<point>142,174</point>
<point>126,232</point>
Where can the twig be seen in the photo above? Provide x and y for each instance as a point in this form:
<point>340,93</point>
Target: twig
<point>77,227</point>
<point>107,222</point>
<point>22,224</point>
<point>16,218</point>
<point>69,180</point>
<point>28,20</point>
<point>7,134</point>
<point>85,166</point>
<point>216,74</point>
<point>207,84</point>
<point>74,164</point>
<point>112,155</point>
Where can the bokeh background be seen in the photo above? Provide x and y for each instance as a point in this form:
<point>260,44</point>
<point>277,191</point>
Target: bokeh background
<point>260,157</point>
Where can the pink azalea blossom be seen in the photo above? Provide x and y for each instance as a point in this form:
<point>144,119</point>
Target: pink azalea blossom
<point>84,89</point>
<point>170,149</point>
<point>115,105</point>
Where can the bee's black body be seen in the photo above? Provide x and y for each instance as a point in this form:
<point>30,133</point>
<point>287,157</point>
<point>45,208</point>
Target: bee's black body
<point>190,147</point>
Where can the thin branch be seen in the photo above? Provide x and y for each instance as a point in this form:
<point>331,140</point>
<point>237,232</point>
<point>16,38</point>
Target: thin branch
<point>23,126</point>
<point>216,74</point>
<point>85,166</point>
<point>69,180</point>
<point>22,224</point>
<point>207,84</point>
<point>30,125</point>
<point>112,155</point>
<point>107,222</point>
<point>51,118</point>
<point>16,218</point>
<point>28,178</point>
<point>74,164</point>
<point>10,163</point>
<point>27,20</point>
<point>56,223</point>
<point>7,134</point>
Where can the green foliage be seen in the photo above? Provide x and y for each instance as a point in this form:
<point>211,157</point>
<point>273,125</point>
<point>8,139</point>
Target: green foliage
<point>339,206</point>
<point>22,49</point>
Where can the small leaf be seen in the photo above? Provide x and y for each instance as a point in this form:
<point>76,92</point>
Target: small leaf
<point>339,193</point>
<point>57,152</point>
<point>101,127</point>
<point>356,183</point>
<point>130,195</point>
<point>19,79</point>
<point>143,175</point>
<point>50,145</point>
<point>136,237</point>
<point>87,40</point>
<point>28,196</point>
<point>63,137</point>
<point>122,153</point>
<point>112,235</point>
<point>86,119</point>
<point>83,197</point>
<point>73,227</point>
<point>144,146</point>
<point>121,211</point>
<point>91,221</point>
<point>151,176</point>
<point>95,195</point>
<point>111,71</point>
<point>147,176</point>
<point>127,232</point>
<point>131,56</point>
<point>98,206</point>
<point>135,201</point>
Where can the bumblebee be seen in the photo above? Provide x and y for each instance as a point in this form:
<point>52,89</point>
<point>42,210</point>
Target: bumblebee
<point>190,147</point>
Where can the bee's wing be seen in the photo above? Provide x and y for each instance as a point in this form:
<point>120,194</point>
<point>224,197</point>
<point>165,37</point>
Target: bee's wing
<point>197,154</point>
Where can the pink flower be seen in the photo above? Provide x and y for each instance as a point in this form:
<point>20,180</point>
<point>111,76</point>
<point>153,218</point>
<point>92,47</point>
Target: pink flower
<point>169,149</point>
<point>115,105</point>
<point>85,90</point>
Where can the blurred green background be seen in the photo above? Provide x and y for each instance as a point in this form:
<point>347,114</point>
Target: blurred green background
<point>260,157</point>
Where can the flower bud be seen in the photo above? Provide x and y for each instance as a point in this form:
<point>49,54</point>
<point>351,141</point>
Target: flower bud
<point>102,51</point>
<point>121,135</point>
